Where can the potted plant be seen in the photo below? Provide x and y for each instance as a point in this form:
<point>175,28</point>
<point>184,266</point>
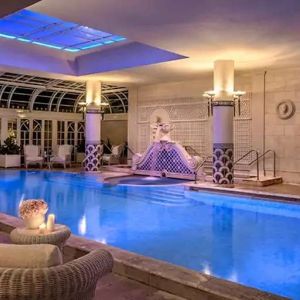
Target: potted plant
<point>10,152</point>
<point>80,154</point>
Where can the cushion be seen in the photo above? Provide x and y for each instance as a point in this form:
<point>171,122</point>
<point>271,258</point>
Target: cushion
<point>29,256</point>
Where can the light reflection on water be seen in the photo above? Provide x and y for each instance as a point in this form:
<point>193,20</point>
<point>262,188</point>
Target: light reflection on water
<point>256,243</point>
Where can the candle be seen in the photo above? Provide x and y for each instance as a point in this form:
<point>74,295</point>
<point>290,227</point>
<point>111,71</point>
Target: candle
<point>42,228</point>
<point>50,222</point>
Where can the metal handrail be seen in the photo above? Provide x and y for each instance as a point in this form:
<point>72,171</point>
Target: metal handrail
<point>256,159</point>
<point>190,147</point>
<point>107,147</point>
<point>201,165</point>
<point>274,160</point>
<point>130,150</point>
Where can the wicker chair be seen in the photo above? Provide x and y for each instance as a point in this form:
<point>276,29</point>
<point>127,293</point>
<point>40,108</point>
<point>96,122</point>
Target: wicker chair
<point>75,280</point>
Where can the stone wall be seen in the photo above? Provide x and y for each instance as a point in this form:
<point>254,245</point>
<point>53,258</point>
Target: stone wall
<point>283,135</point>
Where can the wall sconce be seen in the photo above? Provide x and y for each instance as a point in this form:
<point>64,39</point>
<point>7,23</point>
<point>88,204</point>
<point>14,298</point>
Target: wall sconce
<point>84,105</point>
<point>237,97</point>
<point>210,96</point>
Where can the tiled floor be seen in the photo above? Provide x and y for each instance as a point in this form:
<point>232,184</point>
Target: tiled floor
<point>114,287</point>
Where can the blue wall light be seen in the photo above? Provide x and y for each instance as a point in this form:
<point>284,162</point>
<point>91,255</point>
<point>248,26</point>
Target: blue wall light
<point>43,30</point>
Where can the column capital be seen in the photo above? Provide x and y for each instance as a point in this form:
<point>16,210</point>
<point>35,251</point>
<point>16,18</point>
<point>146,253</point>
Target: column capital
<point>223,103</point>
<point>93,108</point>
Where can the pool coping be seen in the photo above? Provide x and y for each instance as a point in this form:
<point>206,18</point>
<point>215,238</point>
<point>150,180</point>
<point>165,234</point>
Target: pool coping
<point>161,275</point>
<point>285,198</point>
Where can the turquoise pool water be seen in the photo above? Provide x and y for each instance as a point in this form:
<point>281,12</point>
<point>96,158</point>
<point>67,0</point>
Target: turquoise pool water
<point>256,243</point>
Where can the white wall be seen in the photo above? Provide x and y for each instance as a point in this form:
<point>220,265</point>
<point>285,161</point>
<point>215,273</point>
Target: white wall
<point>183,100</point>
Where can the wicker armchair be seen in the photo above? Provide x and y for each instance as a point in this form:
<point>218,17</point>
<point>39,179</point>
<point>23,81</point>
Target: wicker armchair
<point>75,280</point>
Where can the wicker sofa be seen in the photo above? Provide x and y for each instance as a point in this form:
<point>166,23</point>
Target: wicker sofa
<point>75,280</point>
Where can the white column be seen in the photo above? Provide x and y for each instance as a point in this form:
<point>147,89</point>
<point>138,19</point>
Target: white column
<point>93,126</point>
<point>223,113</point>
<point>132,135</point>
<point>43,136</point>
<point>18,131</point>
<point>66,133</point>
<point>54,135</point>
<point>30,131</point>
<point>4,129</point>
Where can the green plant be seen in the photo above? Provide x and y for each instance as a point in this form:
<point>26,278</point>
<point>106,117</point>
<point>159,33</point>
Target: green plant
<point>10,146</point>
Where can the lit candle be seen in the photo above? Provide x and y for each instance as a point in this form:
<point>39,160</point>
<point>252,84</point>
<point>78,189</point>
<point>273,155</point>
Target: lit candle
<point>50,222</point>
<point>42,228</point>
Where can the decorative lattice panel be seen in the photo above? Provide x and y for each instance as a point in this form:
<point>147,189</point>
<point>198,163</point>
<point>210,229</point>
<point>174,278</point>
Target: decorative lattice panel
<point>193,134</point>
<point>242,139</point>
<point>189,117</point>
<point>242,131</point>
<point>148,164</point>
<point>143,136</point>
<point>165,157</point>
<point>171,162</point>
<point>192,125</point>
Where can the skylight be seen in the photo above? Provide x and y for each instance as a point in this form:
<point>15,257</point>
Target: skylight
<point>43,30</point>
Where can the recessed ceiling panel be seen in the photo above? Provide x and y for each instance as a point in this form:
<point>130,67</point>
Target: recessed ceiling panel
<point>40,29</point>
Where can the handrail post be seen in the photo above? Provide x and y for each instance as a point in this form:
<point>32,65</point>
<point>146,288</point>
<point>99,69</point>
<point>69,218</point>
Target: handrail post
<point>274,164</point>
<point>257,166</point>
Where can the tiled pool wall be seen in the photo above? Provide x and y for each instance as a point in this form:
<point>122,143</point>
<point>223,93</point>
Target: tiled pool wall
<point>158,274</point>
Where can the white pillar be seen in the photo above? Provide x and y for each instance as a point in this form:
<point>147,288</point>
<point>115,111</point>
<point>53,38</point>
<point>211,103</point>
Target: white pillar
<point>4,129</point>
<point>132,134</point>
<point>93,126</point>
<point>54,135</point>
<point>223,113</point>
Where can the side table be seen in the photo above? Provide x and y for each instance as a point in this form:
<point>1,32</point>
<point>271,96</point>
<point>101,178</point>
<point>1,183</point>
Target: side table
<point>26,236</point>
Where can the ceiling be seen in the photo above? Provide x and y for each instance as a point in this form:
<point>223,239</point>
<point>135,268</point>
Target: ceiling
<point>167,40</point>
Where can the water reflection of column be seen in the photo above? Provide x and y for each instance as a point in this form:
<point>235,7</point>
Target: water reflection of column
<point>222,259</point>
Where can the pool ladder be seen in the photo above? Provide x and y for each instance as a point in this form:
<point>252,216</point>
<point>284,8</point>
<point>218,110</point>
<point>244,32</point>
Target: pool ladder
<point>256,160</point>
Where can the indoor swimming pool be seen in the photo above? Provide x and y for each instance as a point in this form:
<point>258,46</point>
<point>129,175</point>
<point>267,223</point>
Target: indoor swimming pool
<point>249,241</point>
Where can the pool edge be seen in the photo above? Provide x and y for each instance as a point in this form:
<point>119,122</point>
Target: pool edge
<point>161,275</point>
<point>285,198</point>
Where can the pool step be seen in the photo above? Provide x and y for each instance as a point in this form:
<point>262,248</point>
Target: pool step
<point>162,196</point>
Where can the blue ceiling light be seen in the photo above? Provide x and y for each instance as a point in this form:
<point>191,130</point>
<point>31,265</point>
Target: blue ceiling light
<point>92,46</point>
<point>39,29</point>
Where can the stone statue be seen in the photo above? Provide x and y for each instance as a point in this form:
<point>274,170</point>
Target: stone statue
<point>161,131</point>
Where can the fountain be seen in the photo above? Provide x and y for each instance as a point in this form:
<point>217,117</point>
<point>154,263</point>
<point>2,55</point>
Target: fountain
<point>164,157</point>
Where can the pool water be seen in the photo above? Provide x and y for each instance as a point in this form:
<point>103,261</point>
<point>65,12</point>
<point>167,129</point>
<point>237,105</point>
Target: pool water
<point>252,242</point>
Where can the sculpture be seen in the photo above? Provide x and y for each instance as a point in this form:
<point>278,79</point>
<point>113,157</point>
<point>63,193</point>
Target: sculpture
<point>161,131</point>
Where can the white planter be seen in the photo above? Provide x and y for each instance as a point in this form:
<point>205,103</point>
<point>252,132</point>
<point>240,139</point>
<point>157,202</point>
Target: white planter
<point>10,160</point>
<point>80,157</point>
